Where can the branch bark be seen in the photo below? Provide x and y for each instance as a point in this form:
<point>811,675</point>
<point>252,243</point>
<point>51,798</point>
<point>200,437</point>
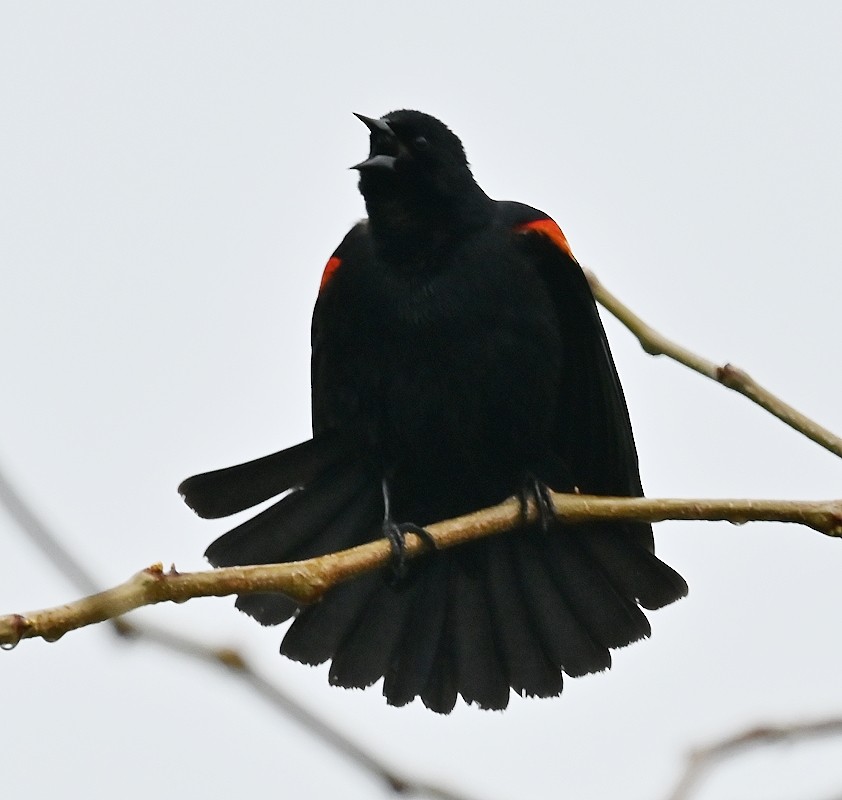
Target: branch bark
<point>228,658</point>
<point>656,344</point>
<point>307,581</point>
<point>701,761</point>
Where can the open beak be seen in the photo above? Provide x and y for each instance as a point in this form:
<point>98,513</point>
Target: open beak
<point>374,125</point>
<point>385,146</point>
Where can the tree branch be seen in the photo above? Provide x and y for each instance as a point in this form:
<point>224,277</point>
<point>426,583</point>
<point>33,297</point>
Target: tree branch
<point>307,581</point>
<point>237,665</point>
<point>656,344</point>
<point>701,761</point>
<point>225,657</point>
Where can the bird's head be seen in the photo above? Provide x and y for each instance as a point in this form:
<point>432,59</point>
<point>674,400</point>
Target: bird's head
<point>417,161</point>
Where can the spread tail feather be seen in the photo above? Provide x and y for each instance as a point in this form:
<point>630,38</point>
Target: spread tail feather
<point>355,522</point>
<point>515,611</point>
<point>333,501</point>
<point>635,571</point>
<point>227,491</point>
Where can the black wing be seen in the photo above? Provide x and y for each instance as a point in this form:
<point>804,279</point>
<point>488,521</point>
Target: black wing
<point>335,333</point>
<point>593,432</point>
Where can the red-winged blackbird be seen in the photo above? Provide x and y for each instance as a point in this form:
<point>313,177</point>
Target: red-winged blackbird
<point>458,359</point>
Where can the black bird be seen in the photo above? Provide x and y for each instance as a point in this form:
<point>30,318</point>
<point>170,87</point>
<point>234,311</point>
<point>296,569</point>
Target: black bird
<point>458,359</point>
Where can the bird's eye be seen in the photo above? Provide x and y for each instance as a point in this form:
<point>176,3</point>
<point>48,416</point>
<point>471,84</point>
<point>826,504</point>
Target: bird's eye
<point>420,143</point>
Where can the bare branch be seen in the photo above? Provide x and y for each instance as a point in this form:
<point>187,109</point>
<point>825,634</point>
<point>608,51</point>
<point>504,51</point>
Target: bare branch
<point>701,761</point>
<point>306,581</point>
<point>225,657</point>
<point>236,664</point>
<point>656,344</point>
<point>39,532</point>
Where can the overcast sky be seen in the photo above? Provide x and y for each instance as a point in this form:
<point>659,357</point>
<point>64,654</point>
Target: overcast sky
<point>173,177</point>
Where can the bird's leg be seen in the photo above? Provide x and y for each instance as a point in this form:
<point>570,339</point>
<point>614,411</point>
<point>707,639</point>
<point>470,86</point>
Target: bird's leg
<point>396,534</point>
<point>534,489</point>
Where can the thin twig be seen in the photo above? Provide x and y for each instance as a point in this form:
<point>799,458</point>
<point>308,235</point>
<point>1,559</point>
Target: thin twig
<point>235,663</point>
<point>701,761</point>
<point>656,344</point>
<point>39,532</point>
<point>228,658</point>
<point>306,581</point>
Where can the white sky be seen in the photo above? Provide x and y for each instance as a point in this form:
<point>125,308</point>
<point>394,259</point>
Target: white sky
<point>173,177</point>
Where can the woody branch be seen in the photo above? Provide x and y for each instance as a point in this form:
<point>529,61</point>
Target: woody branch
<point>307,581</point>
<point>656,344</point>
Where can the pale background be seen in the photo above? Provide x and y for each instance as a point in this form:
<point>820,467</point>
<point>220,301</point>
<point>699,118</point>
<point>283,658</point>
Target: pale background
<point>173,176</point>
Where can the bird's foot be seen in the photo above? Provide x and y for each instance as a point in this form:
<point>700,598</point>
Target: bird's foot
<point>396,534</point>
<point>533,489</point>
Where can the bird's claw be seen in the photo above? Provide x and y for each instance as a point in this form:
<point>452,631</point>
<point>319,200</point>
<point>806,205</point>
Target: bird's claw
<point>533,489</point>
<point>396,534</point>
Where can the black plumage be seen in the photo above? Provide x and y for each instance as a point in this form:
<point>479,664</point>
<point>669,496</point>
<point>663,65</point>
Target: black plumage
<point>458,358</point>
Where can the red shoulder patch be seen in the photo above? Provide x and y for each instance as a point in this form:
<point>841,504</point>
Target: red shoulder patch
<point>332,265</point>
<point>548,228</point>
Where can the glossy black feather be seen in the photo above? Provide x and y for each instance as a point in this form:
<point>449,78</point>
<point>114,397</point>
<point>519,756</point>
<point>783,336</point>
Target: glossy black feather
<point>226,491</point>
<point>529,669</point>
<point>412,661</point>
